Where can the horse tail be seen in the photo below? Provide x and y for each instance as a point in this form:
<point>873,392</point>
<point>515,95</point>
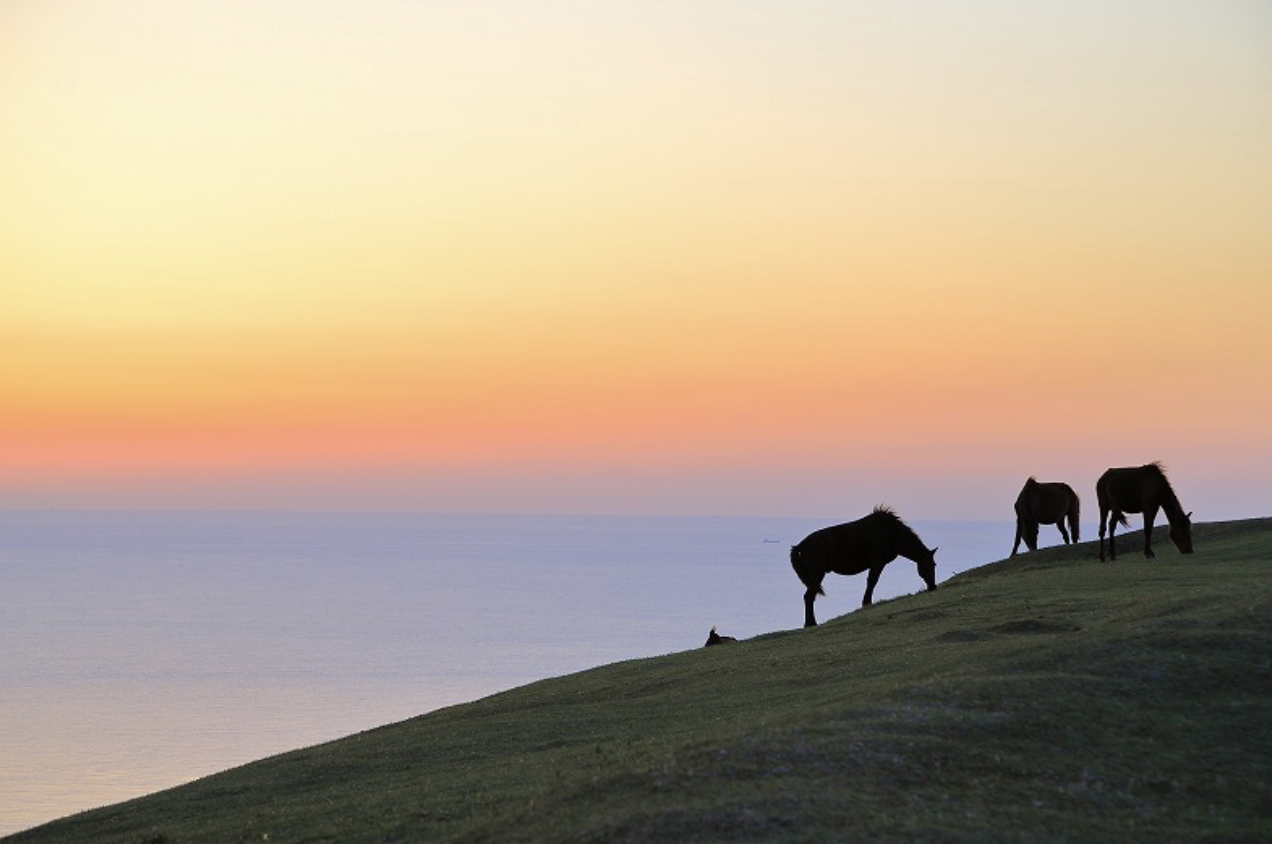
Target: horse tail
<point>801,569</point>
<point>1075,516</point>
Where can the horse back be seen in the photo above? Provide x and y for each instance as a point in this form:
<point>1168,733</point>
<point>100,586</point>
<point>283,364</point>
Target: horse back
<point>1055,501</point>
<point>848,548</point>
<point>1128,490</point>
<point>1044,502</point>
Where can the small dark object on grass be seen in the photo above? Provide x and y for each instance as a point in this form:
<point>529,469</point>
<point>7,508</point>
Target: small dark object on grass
<point>714,638</point>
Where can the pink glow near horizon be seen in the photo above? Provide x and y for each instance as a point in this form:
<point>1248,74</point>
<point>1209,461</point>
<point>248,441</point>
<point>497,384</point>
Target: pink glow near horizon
<point>674,259</point>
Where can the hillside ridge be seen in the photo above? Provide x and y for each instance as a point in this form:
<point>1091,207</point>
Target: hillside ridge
<point>1046,697</point>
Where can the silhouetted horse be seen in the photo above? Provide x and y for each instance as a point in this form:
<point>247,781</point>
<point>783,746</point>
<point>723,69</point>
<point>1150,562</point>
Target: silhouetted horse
<point>1044,504</point>
<point>1141,489</point>
<point>868,544</point>
<point>714,638</point>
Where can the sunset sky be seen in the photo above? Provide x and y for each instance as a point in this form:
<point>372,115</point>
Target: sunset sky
<point>693,257</point>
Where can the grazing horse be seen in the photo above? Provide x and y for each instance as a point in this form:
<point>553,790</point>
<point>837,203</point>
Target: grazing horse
<point>1141,489</point>
<point>1045,504</point>
<point>714,638</point>
<point>868,544</point>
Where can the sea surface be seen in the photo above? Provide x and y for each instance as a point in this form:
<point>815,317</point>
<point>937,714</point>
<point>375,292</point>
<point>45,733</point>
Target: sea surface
<point>141,650</point>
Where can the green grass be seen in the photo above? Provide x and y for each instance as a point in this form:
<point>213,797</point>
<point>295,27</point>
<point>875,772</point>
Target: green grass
<point>1046,698</point>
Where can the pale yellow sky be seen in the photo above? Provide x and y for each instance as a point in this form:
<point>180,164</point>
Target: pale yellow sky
<point>631,251</point>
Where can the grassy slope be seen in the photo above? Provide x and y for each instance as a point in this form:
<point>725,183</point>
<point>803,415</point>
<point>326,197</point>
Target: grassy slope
<point>1048,698</point>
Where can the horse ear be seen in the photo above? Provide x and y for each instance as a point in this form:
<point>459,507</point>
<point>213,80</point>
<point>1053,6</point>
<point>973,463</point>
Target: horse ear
<point>1189,516</point>
<point>934,550</point>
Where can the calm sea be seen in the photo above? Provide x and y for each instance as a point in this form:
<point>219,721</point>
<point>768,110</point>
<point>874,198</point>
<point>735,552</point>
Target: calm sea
<point>143,650</point>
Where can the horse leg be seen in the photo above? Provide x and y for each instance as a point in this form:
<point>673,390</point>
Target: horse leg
<point>1104,518</point>
<point>1016,545</point>
<point>1064,533</point>
<point>1114,517</point>
<point>1150,516</point>
<point>871,579</point>
<point>810,595</point>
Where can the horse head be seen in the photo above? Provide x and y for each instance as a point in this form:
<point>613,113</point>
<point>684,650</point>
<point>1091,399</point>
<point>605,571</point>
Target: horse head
<point>1181,533</point>
<point>927,567</point>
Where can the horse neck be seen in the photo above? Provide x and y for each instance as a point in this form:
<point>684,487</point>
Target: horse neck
<point>1170,504</point>
<point>909,545</point>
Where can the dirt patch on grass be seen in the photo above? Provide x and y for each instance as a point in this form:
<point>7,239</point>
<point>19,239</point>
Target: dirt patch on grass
<point>961,636</point>
<point>1035,626</point>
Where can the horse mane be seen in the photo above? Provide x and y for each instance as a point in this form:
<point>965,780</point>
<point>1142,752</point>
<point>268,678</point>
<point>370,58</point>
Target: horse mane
<point>1170,501</point>
<point>894,520</point>
<point>1159,469</point>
